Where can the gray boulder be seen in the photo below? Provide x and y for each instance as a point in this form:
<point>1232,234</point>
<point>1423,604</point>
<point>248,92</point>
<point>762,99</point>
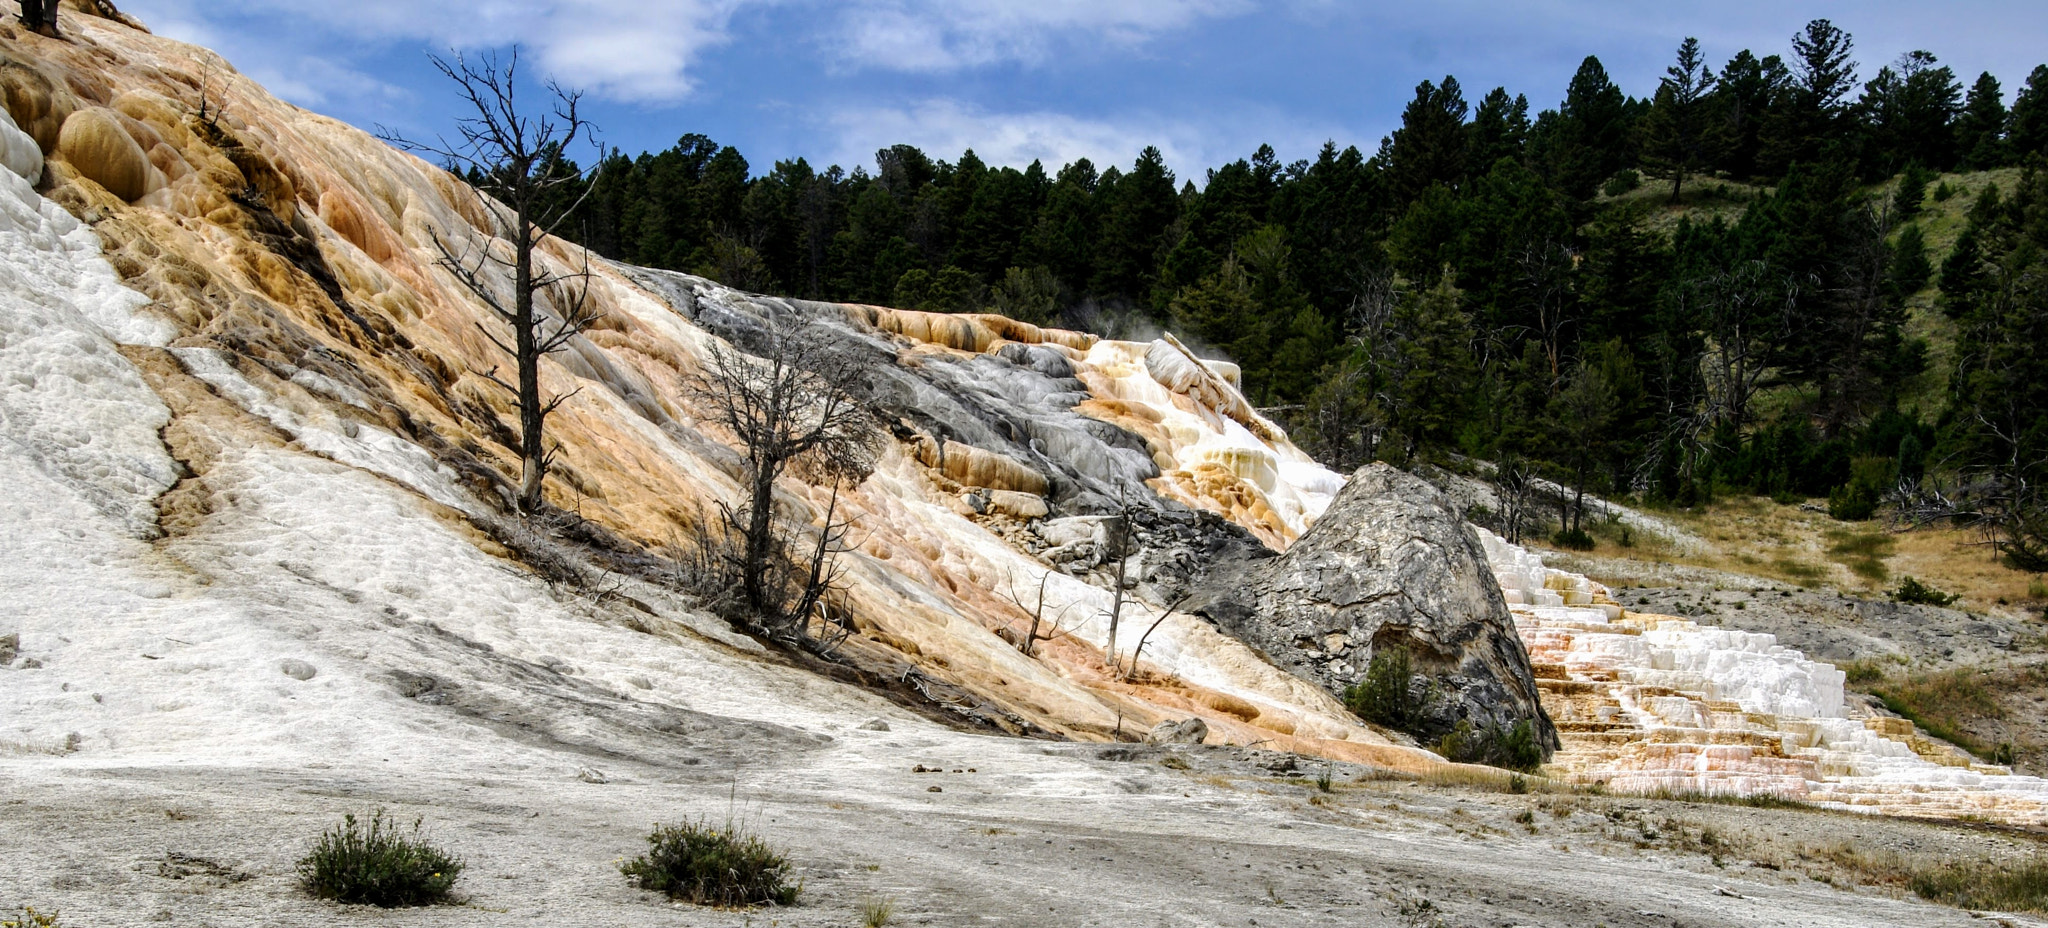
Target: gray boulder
<point>1185,731</point>
<point>1390,565</point>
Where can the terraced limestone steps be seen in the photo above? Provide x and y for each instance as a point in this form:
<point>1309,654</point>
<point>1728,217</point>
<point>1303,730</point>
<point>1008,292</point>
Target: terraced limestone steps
<point>1659,704</point>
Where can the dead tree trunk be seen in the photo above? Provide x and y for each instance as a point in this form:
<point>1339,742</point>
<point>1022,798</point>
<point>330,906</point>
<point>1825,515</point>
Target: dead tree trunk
<point>515,164</point>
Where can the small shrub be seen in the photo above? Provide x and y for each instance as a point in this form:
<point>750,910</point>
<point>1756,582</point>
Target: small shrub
<point>1857,499</point>
<point>1622,183</point>
<point>697,863</point>
<point>1860,673</point>
<point>1323,780</point>
<point>1942,192</point>
<point>383,865</point>
<point>1513,748</point>
<point>1573,539</point>
<point>28,917</point>
<point>1387,695</point>
<point>1913,591</point>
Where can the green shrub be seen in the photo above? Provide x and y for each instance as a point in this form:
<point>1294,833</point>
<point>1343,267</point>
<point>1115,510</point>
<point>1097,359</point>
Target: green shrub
<point>1386,696</point>
<point>1917,593</point>
<point>1622,183</point>
<point>697,863</point>
<point>1573,539</point>
<point>383,865</point>
<point>1869,479</point>
<point>1514,748</point>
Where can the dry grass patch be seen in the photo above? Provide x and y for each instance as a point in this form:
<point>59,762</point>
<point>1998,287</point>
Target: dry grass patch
<point>1945,704</point>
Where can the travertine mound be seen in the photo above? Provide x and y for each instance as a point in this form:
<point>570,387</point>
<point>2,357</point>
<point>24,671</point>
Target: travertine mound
<point>94,141</point>
<point>1390,565</point>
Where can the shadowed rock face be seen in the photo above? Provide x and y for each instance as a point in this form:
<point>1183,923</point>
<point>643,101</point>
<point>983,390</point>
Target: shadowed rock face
<point>1390,565</point>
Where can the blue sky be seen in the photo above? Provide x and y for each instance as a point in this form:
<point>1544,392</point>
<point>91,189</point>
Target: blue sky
<point>1205,80</point>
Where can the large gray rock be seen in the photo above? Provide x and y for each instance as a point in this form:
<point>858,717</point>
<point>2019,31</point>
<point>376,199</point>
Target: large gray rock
<point>1390,565</point>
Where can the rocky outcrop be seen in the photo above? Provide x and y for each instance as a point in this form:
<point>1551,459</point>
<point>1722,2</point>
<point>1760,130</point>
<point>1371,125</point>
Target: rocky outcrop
<point>1390,565</point>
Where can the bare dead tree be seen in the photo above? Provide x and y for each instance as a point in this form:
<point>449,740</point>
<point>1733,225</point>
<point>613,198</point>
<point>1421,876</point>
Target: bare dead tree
<point>1743,311</point>
<point>790,401</point>
<point>1543,269</point>
<point>1139,652</point>
<point>1514,480</point>
<point>1034,635</point>
<point>1123,561</point>
<point>513,160</point>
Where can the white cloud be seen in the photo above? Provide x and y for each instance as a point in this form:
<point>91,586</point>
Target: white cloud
<point>639,50</point>
<point>646,50</point>
<point>946,35</point>
<point>944,128</point>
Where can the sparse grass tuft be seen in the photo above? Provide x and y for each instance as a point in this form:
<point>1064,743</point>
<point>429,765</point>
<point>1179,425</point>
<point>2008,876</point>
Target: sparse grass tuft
<point>1987,884</point>
<point>1942,703</point>
<point>28,917</point>
<point>383,865</point>
<point>1861,673</point>
<point>697,863</point>
<point>1754,801</point>
<point>1862,552</point>
<point>1797,571</point>
<point>877,912</point>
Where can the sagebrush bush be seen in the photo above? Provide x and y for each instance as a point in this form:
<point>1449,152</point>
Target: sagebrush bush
<point>383,865</point>
<point>698,863</point>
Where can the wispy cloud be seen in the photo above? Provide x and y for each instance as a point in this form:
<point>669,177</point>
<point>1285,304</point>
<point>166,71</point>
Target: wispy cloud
<point>638,51</point>
<point>946,35</point>
<point>945,127</point>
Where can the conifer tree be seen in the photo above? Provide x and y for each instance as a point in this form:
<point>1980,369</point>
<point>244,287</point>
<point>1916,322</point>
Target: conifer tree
<point>1750,90</point>
<point>1499,129</point>
<point>2029,132</point>
<point>1980,128</point>
<point>1429,148</point>
<point>1679,135</point>
<point>1822,75</point>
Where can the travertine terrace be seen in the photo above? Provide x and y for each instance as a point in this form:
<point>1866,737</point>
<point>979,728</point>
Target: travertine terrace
<point>1659,704</point>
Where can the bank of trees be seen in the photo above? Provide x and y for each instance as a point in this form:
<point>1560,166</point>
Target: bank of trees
<point>1483,282</point>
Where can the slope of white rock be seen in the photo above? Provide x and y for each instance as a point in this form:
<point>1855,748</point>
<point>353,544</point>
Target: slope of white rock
<point>1649,703</point>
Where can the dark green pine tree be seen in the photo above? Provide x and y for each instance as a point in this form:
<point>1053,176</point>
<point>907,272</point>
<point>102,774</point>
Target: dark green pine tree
<point>1063,236</point>
<point>1429,148</point>
<point>1591,132</point>
<point>1980,128</point>
<point>1750,90</point>
<point>1499,129</point>
<point>2029,132</point>
<point>1908,114</point>
<point>1137,210</point>
<point>1805,126</point>
<point>1680,135</point>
